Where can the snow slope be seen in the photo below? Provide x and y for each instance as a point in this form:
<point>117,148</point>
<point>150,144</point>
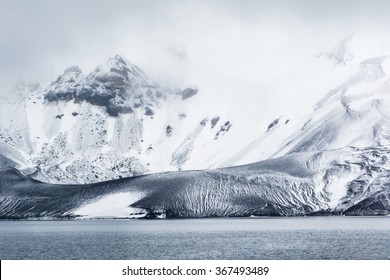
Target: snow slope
<point>355,113</point>
<point>112,123</point>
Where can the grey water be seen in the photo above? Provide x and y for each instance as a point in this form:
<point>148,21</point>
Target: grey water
<point>299,238</point>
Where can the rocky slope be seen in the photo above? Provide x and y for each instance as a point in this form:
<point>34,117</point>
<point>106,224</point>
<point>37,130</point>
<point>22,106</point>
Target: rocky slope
<point>349,181</point>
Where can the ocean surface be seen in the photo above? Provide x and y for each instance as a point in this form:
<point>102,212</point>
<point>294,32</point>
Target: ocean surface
<point>213,238</point>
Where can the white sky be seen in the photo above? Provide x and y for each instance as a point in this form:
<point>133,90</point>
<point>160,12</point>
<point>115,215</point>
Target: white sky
<point>220,46</point>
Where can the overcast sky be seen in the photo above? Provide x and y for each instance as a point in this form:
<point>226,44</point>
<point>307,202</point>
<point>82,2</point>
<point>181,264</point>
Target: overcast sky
<point>177,42</point>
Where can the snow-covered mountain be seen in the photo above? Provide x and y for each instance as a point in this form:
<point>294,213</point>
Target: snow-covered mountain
<point>115,122</point>
<point>354,113</point>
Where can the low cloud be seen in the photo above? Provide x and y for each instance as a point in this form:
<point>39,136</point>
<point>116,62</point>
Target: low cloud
<point>178,42</point>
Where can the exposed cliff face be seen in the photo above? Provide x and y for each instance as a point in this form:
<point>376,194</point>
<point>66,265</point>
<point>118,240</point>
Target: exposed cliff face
<point>119,86</point>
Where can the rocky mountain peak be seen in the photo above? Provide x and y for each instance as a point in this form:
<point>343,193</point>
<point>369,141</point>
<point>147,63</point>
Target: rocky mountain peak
<point>73,69</point>
<point>341,53</point>
<point>117,85</point>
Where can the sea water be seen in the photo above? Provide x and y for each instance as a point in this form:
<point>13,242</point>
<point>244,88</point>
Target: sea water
<point>212,238</point>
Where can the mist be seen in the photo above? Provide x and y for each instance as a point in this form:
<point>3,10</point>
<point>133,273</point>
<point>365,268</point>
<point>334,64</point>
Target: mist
<point>223,47</point>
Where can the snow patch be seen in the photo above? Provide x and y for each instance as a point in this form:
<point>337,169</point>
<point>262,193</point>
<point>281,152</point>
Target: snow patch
<point>114,205</point>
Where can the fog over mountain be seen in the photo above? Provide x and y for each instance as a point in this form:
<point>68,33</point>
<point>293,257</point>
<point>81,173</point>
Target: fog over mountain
<point>281,108</point>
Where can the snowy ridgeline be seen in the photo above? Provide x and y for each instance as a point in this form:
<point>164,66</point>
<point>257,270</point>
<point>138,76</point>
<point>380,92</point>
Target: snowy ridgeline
<point>349,181</point>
